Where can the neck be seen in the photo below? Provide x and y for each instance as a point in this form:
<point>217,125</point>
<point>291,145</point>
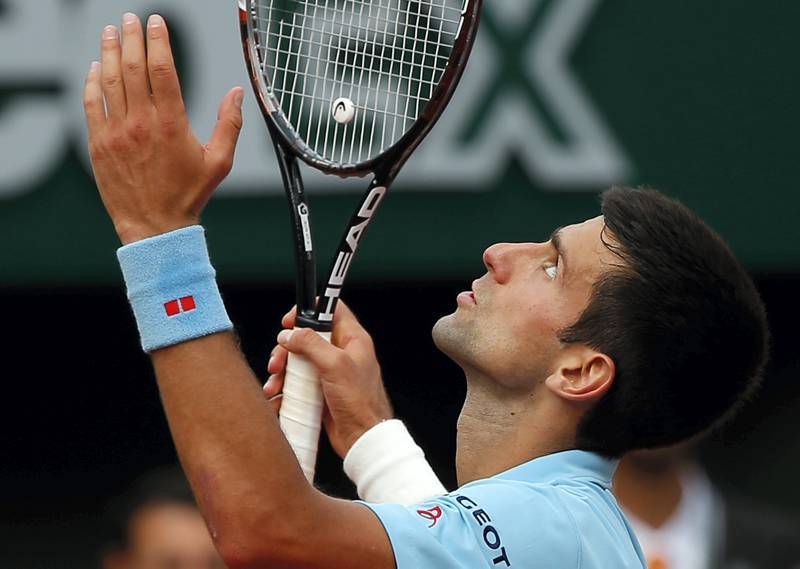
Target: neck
<point>652,495</point>
<point>499,429</point>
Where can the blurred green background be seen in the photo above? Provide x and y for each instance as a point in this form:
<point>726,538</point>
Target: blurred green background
<point>561,100</point>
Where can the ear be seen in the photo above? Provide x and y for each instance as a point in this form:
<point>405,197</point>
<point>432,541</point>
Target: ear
<point>582,375</point>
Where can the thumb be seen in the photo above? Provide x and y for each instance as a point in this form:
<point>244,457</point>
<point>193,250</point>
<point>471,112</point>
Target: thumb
<point>345,323</point>
<point>349,334</point>
<point>222,144</point>
<point>306,342</point>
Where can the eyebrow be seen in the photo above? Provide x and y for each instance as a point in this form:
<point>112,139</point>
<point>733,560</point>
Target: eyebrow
<point>558,245</point>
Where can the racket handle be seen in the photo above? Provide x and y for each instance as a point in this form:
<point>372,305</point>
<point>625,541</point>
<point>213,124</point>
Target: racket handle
<point>301,410</point>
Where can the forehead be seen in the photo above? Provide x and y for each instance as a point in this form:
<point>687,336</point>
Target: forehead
<point>584,246</point>
<point>584,234</point>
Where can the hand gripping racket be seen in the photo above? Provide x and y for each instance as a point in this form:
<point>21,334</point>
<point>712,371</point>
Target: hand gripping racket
<point>350,87</point>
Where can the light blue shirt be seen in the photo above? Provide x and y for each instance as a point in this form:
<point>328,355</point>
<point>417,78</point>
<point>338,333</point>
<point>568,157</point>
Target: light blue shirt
<point>554,512</point>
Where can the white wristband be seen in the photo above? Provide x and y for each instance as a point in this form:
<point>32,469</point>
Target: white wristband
<point>387,466</point>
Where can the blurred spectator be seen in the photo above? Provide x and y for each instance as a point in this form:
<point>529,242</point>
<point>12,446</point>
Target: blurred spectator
<point>157,526</point>
<point>684,522</point>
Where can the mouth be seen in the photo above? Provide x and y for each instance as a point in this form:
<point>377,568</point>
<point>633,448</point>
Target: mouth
<point>468,297</point>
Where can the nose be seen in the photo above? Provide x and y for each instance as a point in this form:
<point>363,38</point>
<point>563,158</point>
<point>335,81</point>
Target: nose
<point>499,258</point>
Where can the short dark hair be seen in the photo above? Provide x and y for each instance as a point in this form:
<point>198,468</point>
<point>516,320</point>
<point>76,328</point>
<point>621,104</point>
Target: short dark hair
<point>681,319</point>
<point>164,486</point>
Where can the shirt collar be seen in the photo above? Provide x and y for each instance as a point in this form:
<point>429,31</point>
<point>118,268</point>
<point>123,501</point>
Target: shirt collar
<point>561,465</point>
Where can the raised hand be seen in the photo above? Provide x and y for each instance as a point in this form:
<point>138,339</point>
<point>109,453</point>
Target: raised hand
<point>355,398</point>
<point>153,174</point>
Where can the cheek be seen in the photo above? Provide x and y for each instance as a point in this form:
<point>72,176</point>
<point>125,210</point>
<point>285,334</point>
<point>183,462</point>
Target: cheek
<point>522,342</point>
<point>535,320</point>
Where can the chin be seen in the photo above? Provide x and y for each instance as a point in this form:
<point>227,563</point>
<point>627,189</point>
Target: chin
<point>452,338</point>
<point>441,331</point>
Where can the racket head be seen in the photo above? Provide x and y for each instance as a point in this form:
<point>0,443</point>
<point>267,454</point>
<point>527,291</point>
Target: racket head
<point>409,87</point>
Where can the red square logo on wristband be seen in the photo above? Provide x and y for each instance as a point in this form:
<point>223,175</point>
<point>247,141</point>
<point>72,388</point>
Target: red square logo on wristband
<point>184,304</point>
<point>172,308</point>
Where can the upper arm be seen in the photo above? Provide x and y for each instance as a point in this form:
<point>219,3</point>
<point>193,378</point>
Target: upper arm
<point>334,533</point>
<point>352,535</point>
<point>493,525</point>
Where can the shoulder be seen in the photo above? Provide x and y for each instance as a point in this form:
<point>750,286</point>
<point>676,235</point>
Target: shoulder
<point>606,535</point>
<point>506,523</point>
<point>576,520</point>
<point>533,518</point>
<point>488,523</point>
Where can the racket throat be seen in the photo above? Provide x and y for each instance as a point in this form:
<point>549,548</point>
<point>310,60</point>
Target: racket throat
<point>310,320</point>
<point>328,305</point>
<point>348,246</point>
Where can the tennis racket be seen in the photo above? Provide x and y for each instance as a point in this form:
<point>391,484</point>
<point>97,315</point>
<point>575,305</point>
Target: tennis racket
<point>351,88</point>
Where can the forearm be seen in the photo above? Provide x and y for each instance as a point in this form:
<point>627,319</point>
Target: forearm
<point>238,462</point>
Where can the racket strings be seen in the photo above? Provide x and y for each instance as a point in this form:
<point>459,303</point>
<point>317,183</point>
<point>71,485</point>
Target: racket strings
<point>355,54</point>
<point>385,56</point>
<point>370,29</point>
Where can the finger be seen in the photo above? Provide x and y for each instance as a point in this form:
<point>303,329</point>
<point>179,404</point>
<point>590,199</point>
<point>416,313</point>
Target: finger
<point>327,358</point>
<point>222,145</point>
<point>276,403</point>
<point>111,71</point>
<point>134,64</point>
<point>161,68</point>
<point>288,319</point>
<point>93,104</point>
<point>273,386</point>
<point>277,361</point>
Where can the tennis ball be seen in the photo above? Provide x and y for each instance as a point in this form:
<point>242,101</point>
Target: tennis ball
<point>343,110</point>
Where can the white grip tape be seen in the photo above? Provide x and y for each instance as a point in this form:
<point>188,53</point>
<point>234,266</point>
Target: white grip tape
<point>301,410</point>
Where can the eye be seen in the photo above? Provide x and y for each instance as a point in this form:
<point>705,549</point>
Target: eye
<point>551,270</point>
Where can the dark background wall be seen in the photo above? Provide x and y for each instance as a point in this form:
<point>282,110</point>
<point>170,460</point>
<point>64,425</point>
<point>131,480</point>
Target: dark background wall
<point>697,98</point>
<point>80,416</point>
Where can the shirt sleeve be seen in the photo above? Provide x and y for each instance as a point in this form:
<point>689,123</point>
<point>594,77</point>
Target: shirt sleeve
<point>486,525</point>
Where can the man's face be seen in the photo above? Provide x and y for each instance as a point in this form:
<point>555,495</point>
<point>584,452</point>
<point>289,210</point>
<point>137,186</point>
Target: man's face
<point>507,327</point>
<point>170,536</point>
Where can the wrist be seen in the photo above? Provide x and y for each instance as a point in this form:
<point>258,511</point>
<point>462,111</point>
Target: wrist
<point>362,428</point>
<point>387,466</point>
<point>130,231</point>
<point>172,288</point>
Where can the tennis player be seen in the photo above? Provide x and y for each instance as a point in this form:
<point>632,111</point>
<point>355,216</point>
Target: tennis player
<point>634,329</point>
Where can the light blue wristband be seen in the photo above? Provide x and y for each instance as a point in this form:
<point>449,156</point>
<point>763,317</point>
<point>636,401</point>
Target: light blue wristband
<point>172,288</point>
